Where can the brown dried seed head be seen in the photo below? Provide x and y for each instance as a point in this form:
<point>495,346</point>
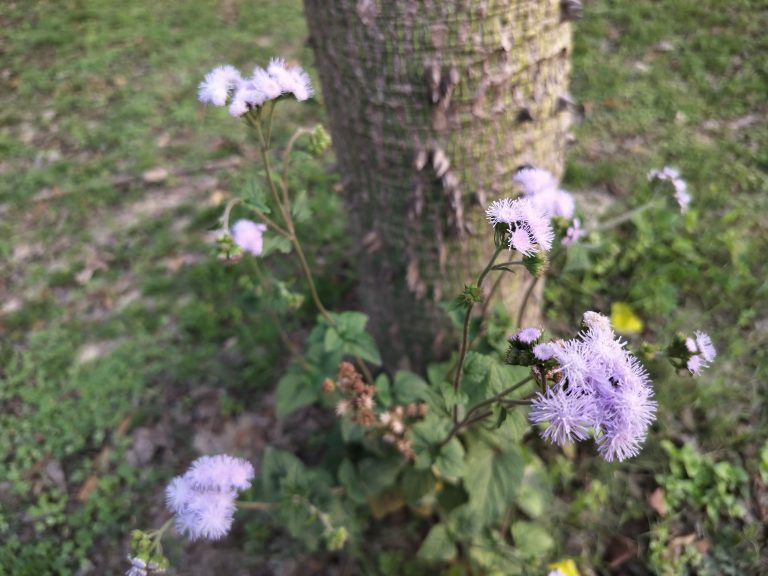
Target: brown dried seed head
<point>328,386</point>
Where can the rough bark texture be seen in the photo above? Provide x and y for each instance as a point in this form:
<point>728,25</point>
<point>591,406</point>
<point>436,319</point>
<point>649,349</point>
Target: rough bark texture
<point>433,105</point>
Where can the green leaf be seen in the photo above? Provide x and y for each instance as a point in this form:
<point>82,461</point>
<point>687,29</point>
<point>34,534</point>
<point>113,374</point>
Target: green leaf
<point>409,387</point>
<point>418,487</point>
<point>274,243</point>
<point>426,435</point>
<point>348,337</point>
<point>535,492</point>
<point>383,390</point>
<point>438,546</point>
<point>377,474</point>
<point>300,208</point>
<point>351,481</point>
<point>532,540</point>
<point>492,479</point>
<point>295,390</point>
<point>254,195</point>
<point>450,460</point>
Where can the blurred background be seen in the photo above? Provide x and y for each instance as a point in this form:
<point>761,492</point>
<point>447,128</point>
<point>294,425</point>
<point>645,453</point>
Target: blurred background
<point>128,349</point>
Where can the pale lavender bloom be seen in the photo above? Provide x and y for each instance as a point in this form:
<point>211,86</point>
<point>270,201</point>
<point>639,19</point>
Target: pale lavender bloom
<point>203,498</point>
<point>534,181</point>
<point>599,382</point>
<point>217,85</point>
<point>527,335</point>
<point>265,83</point>
<point>568,416</point>
<point>221,471</point>
<point>248,235</point>
<point>544,351</point>
<point>141,568</point>
<point>557,572</point>
<point>293,80</point>
<point>541,188</point>
<point>555,203</point>
<point>573,234</point>
<point>672,175</point>
<point>528,226</point>
<point>702,350</point>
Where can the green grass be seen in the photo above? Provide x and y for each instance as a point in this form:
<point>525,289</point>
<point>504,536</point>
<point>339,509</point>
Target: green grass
<point>94,94</point>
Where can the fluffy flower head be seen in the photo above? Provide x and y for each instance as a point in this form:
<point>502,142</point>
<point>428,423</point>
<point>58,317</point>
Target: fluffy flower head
<point>249,236</point>
<point>672,175</point>
<point>203,498</point>
<point>529,229</point>
<point>217,85</point>
<point>292,80</point>
<point>527,335</point>
<point>702,350</point>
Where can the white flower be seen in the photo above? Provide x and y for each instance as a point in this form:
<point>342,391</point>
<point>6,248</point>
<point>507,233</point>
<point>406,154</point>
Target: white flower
<point>203,498</point>
<point>248,235</point>
<point>672,175</point>
<point>265,83</point>
<point>528,225</point>
<point>217,85</point>
<point>293,80</point>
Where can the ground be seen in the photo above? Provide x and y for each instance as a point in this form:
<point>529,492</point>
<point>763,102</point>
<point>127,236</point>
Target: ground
<point>128,348</point>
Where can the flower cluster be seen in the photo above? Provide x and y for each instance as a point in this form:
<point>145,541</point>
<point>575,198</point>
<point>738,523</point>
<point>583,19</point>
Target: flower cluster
<point>225,83</point>
<point>358,396</point>
<point>541,188</point>
<point>203,498</point>
<point>393,423</point>
<point>529,228</point>
<point>702,352</point>
<point>597,386</point>
<point>669,174</point>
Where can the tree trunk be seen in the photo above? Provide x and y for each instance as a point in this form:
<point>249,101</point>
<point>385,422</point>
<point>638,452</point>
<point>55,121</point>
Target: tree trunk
<point>433,105</point>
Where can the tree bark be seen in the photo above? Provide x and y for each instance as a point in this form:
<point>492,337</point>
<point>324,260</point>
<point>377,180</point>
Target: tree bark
<point>433,105</point>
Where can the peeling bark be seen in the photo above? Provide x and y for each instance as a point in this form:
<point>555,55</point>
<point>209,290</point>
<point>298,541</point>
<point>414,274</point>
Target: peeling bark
<point>433,104</point>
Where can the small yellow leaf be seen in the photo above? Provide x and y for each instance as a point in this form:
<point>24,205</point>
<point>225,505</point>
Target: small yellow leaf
<point>567,567</point>
<point>624,319</point>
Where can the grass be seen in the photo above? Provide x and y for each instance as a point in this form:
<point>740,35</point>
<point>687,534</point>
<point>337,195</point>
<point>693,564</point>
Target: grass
<point>117,322</point>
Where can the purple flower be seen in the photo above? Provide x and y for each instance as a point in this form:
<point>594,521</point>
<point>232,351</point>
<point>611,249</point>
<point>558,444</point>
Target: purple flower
<point>568,416</point>
<point>544,351</point>
<point>541,188</point>
<point>573,234</point>
<point>526,336</point>
<point>203,498</point>
<point>599,385</point>
<point>248,235</point>
<point>702,350</point>
<point>534,181</point>
<point>529,228</point>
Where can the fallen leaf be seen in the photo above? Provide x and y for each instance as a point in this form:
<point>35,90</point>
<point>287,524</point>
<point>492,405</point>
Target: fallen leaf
<point>657,502</point>
<point>155,175</point>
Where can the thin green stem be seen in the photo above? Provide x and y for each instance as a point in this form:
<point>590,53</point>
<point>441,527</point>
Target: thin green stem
<point>468,419</point>
<point>524,303</point>
<point>254,505</point>
<point>287,156</point>
<point>465,330</point>
<point>503,265</point>
<point>624,217</point>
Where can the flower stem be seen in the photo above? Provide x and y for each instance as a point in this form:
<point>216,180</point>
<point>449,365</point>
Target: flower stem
<point>465,330</point>
<point>243,505</point>
<point>468,419</point>
<point>624,217</point>
<point>524,303</point>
